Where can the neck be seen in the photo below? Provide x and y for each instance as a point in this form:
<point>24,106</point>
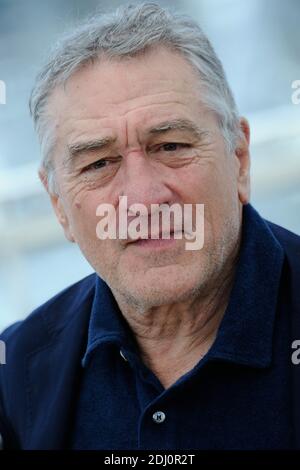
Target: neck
<point>173,338</point>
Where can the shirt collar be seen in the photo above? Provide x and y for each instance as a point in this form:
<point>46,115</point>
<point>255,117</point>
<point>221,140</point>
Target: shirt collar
<point>107,324</point>
<point>245,333</point>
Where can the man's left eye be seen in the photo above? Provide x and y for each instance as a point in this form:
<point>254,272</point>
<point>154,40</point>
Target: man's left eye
<point>172,146</point>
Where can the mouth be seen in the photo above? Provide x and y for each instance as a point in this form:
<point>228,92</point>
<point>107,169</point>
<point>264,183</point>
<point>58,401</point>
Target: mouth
<point>156,243</point>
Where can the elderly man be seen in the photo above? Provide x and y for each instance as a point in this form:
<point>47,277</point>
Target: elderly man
<point>163,347</point>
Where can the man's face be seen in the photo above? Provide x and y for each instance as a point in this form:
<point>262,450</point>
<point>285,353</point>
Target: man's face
<point>127,106</point>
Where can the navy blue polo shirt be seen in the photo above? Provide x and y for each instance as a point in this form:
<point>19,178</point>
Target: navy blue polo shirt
<point>238,396</point>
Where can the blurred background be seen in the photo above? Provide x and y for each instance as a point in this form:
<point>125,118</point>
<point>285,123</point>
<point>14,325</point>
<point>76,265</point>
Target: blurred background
<point>258,42</point>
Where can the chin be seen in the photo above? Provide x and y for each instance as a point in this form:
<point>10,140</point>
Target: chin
<point>161,286</point>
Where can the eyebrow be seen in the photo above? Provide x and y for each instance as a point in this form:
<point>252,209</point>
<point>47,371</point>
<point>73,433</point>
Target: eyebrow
<point>78,148</point>
<point>179,124</point>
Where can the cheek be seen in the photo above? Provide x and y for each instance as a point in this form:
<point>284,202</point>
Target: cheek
<point>102,255</point>
<point>83,216</point>
<point>214,185</point>
<point>198,184</point>
<point>219,181</point>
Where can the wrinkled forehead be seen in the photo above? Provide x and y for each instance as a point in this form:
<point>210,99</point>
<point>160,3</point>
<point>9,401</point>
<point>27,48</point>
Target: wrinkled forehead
<point>157,75</point>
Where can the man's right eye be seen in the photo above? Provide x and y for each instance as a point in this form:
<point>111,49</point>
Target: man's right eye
<point>96,165</point>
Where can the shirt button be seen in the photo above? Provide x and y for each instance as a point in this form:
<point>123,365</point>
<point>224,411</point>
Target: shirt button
<point>158,417</point>
<point>122,355</point>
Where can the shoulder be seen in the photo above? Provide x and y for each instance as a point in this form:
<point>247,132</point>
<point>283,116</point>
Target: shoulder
<point>290,241</point>
<point>51,317</point>
<point>54,324</point>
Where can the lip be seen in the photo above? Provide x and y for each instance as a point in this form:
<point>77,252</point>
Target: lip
<point>154,243</point>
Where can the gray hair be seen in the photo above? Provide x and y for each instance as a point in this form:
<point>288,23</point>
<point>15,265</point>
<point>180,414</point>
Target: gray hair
<point>128,31</point>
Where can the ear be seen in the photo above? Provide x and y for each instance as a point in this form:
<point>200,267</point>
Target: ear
<point>58,206</point>
<point>243,158</point>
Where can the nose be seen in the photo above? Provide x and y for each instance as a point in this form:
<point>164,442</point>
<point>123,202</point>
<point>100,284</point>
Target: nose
<point>145,182</point>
